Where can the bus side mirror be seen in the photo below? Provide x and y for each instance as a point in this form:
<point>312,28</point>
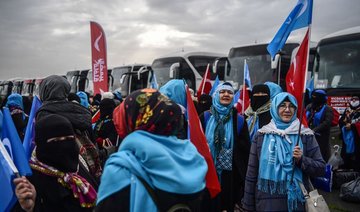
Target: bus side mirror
<point>174,70</point>
<point>221,66</point>
<point>275,61</point>
<point>142,70</point>
<point>122,79</point>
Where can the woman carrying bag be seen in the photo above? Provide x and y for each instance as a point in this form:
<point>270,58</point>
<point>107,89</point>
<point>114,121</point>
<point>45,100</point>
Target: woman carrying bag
<point>268,180</point>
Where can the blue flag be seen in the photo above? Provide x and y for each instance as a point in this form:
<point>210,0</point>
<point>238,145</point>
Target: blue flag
<point>310,84</point>
<point>12,143</point>
<point>236,97</point>
<point>247,79</point>
<point>153,82</point>
<point>30,128</point>
<point>1,118</point>
<point>299,17</point>
<point>7,195</point>
<point>216,83</point>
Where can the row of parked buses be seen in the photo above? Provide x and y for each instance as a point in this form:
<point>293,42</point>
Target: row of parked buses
<point>334,64</point>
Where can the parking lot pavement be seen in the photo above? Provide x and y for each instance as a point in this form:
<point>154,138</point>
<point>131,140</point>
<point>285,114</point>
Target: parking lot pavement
<point>336,204</point>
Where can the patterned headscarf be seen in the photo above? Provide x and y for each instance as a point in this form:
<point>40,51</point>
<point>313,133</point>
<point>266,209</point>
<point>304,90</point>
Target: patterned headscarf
<point>147,110</point>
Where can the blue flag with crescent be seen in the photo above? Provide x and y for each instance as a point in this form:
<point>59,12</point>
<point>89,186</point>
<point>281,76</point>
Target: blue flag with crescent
<point>15,151</point>
<point>299,17</point>
<point>7,195</point>
<point>13,145</point>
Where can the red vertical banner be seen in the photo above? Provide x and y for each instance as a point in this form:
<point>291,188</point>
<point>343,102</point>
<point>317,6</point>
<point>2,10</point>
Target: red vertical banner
<point>98,58</point>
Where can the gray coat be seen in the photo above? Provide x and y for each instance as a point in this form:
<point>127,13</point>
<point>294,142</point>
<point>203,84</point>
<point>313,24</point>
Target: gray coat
<point>312,164</point>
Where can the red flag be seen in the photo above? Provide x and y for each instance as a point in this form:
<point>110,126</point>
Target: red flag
<point>296,76</point>
<point>198,138</point>
<point>95,117</point>
<point>98,60</point>
<point>205,85</point>
<point>243,101</point>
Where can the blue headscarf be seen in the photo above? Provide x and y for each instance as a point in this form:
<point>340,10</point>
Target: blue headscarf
<point>164,162</point>
<point>15,100</point>
<point>216,128</point>
<point>175,90</point>
<point>275,89</point>
<point>276,159</point>
<point>84,101</point>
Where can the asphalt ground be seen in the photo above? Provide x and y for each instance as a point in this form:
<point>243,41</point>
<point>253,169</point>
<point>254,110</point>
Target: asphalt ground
<point>332,198</point>
<point>336,204</point>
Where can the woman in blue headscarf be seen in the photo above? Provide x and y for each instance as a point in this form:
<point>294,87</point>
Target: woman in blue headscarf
<point>175,90</point>
<point>16,107</point>
<point>273,150</point>
<point>147,121</point>
<point>274,88</point>
<point>228,138</point>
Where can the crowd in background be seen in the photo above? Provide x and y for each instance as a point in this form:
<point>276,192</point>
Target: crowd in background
<point>137,153</point>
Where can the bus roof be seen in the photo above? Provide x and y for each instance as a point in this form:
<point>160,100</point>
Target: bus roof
<point>188,54</point>
<point>348,31</point>
<point>131,65</point>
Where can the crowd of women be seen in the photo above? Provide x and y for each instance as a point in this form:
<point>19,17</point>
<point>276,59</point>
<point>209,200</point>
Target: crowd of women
<point>137,156</point>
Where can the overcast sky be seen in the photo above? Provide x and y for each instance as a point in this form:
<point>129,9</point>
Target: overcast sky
<point>43,37</point>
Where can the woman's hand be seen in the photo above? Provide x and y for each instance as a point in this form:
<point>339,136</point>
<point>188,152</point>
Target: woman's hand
<point>297,153</point>
<point>25,192</point>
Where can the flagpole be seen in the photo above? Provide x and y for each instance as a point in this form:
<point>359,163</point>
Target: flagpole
<point>205,76</point>
<point>243,97</point>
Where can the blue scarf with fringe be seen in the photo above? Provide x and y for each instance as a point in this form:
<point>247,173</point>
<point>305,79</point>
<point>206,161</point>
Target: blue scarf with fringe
<point>276,159</point>
<point>219,128</point>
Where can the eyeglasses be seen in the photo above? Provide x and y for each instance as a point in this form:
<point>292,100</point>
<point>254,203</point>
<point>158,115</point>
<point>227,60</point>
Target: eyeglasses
<point>284,106</point>
<point>226,91</point>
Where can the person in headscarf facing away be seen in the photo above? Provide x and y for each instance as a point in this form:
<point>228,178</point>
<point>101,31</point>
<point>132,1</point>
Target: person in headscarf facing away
<point>54,91</point>
<point>16,107</point>
<point>54,164</point>
<point>258,113</point>
<point>104,130</point>
<point>229,146</point>
<point>84,100</point>
<point>349,124</point>
<point>175,90</point>
<point>274,88</point>
<point>319,117</point>
<point>273,150</point>
<point>147,121</point>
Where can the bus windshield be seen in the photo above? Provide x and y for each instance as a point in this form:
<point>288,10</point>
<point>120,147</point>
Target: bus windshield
<point>259,63</point>
<point>162,66</point>
<point>337,65</point>
<point>200,63</point>
<point>117,73</point>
